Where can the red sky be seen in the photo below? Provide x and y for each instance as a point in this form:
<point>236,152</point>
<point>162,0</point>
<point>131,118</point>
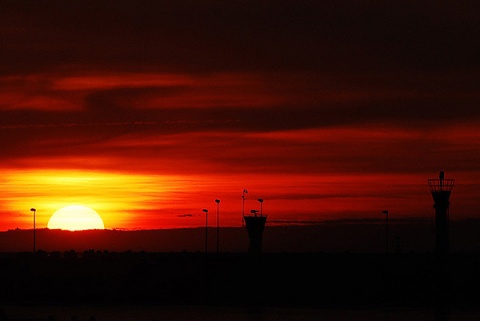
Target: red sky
<point>148,111</point>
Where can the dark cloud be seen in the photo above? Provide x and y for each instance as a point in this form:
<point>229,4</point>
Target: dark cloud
<point>341,35</point>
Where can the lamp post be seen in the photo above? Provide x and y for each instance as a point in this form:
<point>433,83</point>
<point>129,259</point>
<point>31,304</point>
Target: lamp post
<point>34,229</point>
<point>261,202</point>
<point>218,222</point>
<point>386,230</point>
<point>206,229</point>
<point>243,205</point>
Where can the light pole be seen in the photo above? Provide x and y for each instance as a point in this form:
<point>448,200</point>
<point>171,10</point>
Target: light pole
<point>261,202</point>
<point>34,229</point>
<point>243,205</point>
<point>218,222</point>
<point>206,229</point>
<point>386,230</point>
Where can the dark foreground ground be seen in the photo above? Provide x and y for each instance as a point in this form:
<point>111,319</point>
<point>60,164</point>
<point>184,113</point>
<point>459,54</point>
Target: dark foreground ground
<point>313,280</point>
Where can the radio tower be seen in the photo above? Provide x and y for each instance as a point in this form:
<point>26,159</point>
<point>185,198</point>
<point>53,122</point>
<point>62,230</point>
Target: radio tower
<point>441,189</point>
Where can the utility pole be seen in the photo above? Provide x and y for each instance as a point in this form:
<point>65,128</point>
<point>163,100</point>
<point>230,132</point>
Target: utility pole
<point>34,229</point>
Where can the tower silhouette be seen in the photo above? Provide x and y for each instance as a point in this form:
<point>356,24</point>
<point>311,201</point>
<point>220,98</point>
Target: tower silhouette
<point>441,189</point>
<point>255,225</point>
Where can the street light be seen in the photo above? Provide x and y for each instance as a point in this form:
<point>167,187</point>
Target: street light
<point>218,222</point>
<point>386,230</point>
<point>206,229</point>
<point>34,230</point>
<point>261,202</point>
<point>243,205</point>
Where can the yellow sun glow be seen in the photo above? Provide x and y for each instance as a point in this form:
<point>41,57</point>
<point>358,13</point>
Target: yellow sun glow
<point>75,218</point>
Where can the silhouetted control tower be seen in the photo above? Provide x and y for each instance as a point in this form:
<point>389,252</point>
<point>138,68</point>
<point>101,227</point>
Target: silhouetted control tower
<point>441,189</point>
<point>255,225</point>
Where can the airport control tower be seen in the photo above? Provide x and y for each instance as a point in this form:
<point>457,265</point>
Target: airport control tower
<point>255,224</point>
<point>441,189</point>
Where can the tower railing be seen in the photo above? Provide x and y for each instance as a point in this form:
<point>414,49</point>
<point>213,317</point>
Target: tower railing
<point>441,185</point>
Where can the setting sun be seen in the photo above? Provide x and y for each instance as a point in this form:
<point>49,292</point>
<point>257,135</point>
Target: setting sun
<point>75,218</point>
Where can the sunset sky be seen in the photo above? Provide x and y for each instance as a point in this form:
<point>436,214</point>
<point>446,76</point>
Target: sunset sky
<point>148,111</point>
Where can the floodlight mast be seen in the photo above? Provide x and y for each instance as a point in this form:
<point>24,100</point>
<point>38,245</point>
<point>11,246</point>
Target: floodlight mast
<point>218,223</point>
<point>206,229</point>
<point>243,205</point>
<point>34,229</point>
<point>261,203</point>
<point>386,230</point>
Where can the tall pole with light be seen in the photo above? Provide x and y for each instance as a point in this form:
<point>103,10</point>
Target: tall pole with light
<point>243,205</point>
<point>34,229</point>
<point>206,229</point>
<point>261,202</point>
<point>386,230</point>
<point>218,222</point>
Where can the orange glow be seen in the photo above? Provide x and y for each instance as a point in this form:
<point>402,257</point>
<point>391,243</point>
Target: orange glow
<point>131,201</point>
<point>117,196</point>
<point>303,175</point>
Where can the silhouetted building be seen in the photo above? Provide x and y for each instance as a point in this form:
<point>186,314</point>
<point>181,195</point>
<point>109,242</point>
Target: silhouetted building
<point>441,189</point>
<point>255,225</point>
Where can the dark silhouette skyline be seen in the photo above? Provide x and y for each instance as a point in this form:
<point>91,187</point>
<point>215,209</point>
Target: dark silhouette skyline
<point>354,236</point>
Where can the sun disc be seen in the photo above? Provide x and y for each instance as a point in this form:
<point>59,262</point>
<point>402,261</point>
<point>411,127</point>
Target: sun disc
<point>75,218</point>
